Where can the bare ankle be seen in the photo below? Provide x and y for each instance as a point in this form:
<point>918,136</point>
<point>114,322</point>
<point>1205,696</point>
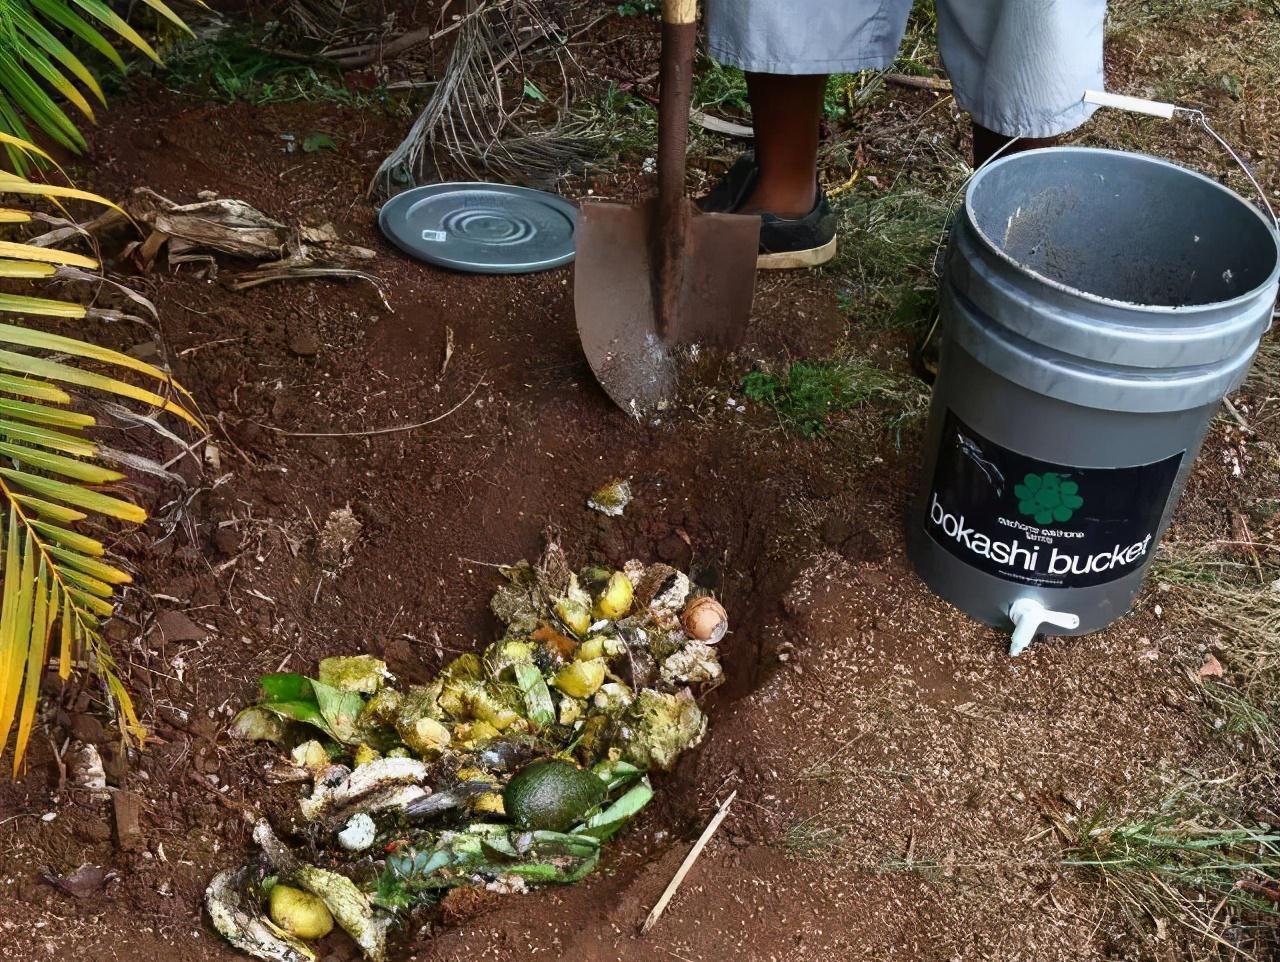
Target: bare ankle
<point>781,200</point>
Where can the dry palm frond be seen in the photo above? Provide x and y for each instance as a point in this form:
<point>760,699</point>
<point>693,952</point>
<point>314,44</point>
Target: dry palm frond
<point>484,114</point>
<point>195,232</point>
<point>54,578</point>
<point>321,20</point>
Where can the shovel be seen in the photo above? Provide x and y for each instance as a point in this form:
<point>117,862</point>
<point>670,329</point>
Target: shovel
<point>658,282</point>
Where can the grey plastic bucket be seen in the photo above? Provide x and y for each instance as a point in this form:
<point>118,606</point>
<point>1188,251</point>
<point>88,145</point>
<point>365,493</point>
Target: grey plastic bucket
<point>1096,307</point>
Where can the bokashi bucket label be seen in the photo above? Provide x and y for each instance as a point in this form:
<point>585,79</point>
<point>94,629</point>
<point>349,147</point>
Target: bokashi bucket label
<point>1038,523</point>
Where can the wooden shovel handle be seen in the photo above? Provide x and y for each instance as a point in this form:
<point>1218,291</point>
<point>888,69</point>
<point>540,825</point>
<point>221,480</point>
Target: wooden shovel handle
<point>679,11</point>
<point>679,36</point>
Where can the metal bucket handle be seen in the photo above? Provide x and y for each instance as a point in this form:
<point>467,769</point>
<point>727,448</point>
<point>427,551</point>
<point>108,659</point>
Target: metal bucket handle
<point>1156,108</point>
<point>1136,105</point>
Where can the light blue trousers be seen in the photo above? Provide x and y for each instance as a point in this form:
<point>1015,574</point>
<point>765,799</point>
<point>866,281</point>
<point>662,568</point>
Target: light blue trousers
<point>1019,67</point>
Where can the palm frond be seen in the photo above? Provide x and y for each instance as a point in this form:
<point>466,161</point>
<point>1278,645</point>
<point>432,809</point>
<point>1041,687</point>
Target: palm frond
<point>58,583</point>
<point>38,70</point>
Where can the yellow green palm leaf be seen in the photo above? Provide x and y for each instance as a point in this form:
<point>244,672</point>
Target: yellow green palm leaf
<point>39,71</point>
<point>58,583</point>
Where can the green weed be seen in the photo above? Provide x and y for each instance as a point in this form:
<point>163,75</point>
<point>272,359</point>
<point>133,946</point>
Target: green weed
<point>230,68</point>
<point>1236,715</point>
<point>630,124</point>
<point>808,395</point>
<point>637,8</point>
<point>718,88</point>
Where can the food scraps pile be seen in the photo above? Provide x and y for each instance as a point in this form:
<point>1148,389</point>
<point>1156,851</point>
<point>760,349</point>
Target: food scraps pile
<point>511,768</point>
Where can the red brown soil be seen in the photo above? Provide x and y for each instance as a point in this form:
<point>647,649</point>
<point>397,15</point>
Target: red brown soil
<point>903,785</point>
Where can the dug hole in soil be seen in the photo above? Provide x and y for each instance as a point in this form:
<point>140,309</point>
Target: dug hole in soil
<point>899,778</point>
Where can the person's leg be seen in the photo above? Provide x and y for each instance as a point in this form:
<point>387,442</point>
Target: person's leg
<point>1021,67</point>
<point>986,143</point>
<point>786,110</point>
<point>786,51</point>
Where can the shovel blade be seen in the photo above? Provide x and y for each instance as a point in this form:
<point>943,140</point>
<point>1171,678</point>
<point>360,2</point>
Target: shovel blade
<point>640,362</point>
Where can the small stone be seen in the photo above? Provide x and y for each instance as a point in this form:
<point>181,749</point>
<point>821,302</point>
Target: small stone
<point>83,883</point>
<point>304,344</point>
<point>226,541</point>
<point>176,626</point>
<point>86,728</point>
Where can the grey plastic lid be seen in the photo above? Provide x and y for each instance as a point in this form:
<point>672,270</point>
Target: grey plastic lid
<point>482,228</point>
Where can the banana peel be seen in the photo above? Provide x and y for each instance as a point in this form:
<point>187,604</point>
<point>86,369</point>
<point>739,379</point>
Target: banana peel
<point>237,920</point>
<point>350,907</point>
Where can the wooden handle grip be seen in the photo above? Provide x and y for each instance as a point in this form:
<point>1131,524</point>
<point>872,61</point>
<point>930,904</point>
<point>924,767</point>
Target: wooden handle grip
<point>679,11</point>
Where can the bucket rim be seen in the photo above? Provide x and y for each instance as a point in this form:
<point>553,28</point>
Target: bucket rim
<point>1271,280</point>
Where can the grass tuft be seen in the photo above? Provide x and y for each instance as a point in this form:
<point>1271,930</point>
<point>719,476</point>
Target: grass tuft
<point>808,395</point>
<point>1239,597</point>
<point>1188,864</point>
<point>886,269</point>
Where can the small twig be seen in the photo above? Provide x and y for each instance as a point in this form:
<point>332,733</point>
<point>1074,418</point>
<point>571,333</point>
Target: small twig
<point>1236,415</point>
<point>228,803</point>
<point>360,434</point>
<point>201,347</point>
<point>349,58</point>
<point>1251,547</point>
<point>57,757</point>
<point>687,864</point>
<point>448,350</point>
<point>188,450</point>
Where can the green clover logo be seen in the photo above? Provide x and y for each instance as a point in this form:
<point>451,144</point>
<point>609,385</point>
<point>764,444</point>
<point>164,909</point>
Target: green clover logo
<point>1048,497</point>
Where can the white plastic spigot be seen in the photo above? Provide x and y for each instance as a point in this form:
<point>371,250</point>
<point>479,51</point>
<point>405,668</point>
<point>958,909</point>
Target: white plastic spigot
<point>1028,615</point>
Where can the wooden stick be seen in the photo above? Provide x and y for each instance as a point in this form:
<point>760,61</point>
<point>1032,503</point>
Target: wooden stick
<point>718,125</point>
<point>920,83</point>
<point>687,864</point>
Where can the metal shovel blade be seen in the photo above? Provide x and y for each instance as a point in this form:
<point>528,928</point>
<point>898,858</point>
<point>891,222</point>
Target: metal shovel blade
<point>638,360</point>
